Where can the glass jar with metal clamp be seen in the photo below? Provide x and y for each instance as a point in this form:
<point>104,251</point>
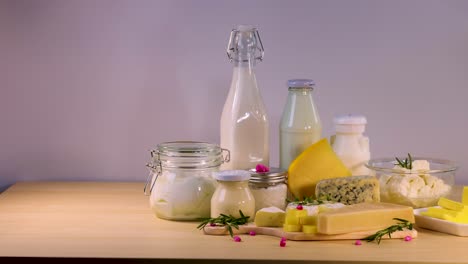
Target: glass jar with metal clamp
<point>181,181</point>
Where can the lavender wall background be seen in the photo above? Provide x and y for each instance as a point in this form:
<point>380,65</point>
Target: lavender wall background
<point>88,87</point>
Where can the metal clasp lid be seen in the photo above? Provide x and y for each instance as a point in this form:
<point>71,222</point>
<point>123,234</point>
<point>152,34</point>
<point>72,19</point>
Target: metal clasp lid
<point>153,168</point>
<point>226,158</point>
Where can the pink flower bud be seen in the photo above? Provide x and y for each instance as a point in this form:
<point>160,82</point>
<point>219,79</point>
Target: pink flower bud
<point>261,168</point>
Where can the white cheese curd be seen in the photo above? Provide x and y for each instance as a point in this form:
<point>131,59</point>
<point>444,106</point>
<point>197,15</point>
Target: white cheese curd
<point>413,187</point>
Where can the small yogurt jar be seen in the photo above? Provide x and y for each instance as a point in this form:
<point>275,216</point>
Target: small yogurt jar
<point>233,194</point>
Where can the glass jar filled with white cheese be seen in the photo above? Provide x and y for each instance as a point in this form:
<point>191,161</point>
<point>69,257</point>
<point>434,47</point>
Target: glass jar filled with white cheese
<point>233,194</point>
<point>269,188</point>
<point>182,181</point>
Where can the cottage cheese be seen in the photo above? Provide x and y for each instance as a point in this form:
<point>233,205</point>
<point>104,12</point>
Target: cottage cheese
<point>418,189</point>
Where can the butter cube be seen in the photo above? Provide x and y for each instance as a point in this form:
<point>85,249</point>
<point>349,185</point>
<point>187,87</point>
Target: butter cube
<point>309,229</point>
<point>292,228</point>
<point>308,220</point>
<point>293,216</point>
<point>270,217</point>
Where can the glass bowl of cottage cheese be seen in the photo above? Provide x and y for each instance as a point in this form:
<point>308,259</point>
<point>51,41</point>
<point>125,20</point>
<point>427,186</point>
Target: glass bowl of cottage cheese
<point>417,182</point>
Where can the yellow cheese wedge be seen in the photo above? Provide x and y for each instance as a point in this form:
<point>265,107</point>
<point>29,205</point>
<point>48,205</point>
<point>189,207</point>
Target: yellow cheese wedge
<point>316,163</point>
<point>309,229</point>
<point>270,217</point>
<point>452,205</point>
<point>465,195</point>
<point>362,217</point>
<point>292,228</point>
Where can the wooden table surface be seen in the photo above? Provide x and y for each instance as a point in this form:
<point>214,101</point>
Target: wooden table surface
<point>113,221</point>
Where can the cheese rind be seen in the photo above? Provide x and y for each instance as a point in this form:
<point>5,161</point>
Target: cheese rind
<point>362,217</point>
<point>349,190</point>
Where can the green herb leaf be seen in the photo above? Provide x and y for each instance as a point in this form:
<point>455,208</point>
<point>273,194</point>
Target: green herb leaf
<point>406,163</point>
<point>310,200</point>
<point>228,221</point>
<point>403,224</point>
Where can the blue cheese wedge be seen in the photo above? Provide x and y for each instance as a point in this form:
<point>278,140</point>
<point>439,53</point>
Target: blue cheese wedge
<point>349,190</point>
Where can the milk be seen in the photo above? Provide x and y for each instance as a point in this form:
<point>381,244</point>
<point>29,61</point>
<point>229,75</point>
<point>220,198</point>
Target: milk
<point>294,142</point>
<point>244,122</point>
<point>300,124</point>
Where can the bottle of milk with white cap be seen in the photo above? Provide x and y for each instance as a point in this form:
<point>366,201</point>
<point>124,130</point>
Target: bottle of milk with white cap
<point>350,144</point>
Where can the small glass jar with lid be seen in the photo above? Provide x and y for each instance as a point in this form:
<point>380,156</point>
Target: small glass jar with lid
<point>269,188</point>
<point>182,179</point>
<point>233,194</point>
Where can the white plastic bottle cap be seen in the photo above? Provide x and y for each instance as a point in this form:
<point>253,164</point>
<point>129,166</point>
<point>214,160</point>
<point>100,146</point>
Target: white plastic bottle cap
<point>232,175</point>
<point>350,123</point>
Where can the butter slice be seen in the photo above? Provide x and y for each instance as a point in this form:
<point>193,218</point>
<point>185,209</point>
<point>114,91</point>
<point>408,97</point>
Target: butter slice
<point>452,205</point>
<point>362,217</point>
<point>270,216</point>
<point>465,195</point>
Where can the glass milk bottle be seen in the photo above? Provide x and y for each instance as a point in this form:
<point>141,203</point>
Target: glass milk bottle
<point>244,121</point>
<point>349,143</point>
<point>300,124</point>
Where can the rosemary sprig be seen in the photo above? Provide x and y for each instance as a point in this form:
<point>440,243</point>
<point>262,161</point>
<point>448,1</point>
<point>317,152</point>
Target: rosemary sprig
<point>403,224</point>
<point>406,163</point>
<point>225,220</point>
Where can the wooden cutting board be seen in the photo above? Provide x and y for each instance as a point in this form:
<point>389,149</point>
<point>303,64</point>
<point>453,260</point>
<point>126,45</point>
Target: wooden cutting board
<point>278,232</point>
